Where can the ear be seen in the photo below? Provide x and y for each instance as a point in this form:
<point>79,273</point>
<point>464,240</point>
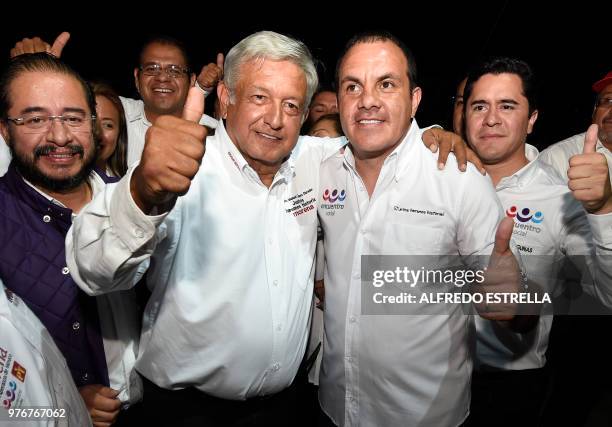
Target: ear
<point>224,98</point>
<point>416,100</point>
<point>532,120</point>
<point>136,81</point>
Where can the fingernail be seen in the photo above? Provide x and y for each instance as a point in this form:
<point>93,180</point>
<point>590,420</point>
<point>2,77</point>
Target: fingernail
<point>463,167</point>
<point>440,166</point>
<point>433,148</point>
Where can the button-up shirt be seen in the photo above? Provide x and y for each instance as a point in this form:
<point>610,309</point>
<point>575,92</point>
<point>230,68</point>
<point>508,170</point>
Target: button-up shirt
<point>137,125</point>
<point>33,372</point>
<point>231,267</point>
<point>559,154</point>
<point>551,229</point>
<point>397,370</point>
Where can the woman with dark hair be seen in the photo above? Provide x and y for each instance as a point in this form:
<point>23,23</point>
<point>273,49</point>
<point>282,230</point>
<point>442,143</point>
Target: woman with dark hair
<point>112,132</point>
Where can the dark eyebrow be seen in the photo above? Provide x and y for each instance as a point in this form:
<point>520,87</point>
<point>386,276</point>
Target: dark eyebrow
<point>509,101</point>
<point>350,79</point>
<point>389,76</point>
<point>74,110</point>
<point>478,101</point>
<point>32,110</point>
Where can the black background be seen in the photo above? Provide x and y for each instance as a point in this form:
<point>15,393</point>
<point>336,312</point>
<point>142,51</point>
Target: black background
<point>569,47</point>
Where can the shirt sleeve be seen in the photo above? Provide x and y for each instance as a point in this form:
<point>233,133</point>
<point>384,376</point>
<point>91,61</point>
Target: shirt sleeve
<point>587,241</point>
<point>111,240</point>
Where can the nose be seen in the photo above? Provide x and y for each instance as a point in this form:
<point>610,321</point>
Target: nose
<point>492,117</point>
<point>58,133</point>
<point>274,116</point>
<point>369,99</point>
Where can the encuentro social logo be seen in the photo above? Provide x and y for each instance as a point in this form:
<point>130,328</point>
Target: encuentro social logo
<point>334,195</point>
<point>525,215</point>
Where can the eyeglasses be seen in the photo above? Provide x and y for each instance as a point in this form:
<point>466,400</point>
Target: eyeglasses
<point>604,102</point>
<point>39,123</point>
<point>174,71</point>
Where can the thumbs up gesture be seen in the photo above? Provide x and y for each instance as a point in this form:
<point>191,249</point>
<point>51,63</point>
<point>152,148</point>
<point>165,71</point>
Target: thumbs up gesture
<point>36,44</point>
<point>172,154</point>
<point>589,176</point>
<point>211,74</point>
<point>502,276</point>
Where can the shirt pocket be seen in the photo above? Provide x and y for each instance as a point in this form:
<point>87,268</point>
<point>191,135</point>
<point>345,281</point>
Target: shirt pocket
<point>401,238</point>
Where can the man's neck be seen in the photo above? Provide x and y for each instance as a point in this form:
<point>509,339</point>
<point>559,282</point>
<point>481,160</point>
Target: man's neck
<point>369,170</point>
<point>74,199</point>
<point>503,169</point>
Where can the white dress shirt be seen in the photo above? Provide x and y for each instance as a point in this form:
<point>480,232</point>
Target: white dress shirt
<point>137,125</point>
<point>399,370</point>
<point>33,372</point>
<point>5,156</point>
<point>563,229</point>
<point>119,325</point>
<point>558,155</point>
<point>231,267</point>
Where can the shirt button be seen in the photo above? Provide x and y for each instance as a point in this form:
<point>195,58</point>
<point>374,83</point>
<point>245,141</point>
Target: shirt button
<point>363,231</point>
<point>139,233</point>
<point>85,376</point>
<point>270,241</point>
<point>349,359</point>
<point>76,326</point>
<point>275,283</point>
<point>352,319</point>
<point>46,218</point>
<point>279,328</point>
<point>65,270</point>
<point>357,275</point>
<point>276,367</point>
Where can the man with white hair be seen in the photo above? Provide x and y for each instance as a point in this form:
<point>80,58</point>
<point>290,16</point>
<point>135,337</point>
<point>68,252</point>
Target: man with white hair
<point>232,260</point>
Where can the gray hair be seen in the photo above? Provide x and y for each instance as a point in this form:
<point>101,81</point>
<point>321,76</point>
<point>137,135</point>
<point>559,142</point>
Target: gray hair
<point>274,46</point>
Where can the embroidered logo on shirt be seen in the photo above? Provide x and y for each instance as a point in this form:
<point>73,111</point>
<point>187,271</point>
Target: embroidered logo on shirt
<point>525,215</point>
<point>18,371</point>
<point>334,195</point>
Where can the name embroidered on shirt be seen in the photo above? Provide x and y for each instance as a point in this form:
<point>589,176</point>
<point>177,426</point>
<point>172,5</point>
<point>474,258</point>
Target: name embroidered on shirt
<point>418,211</point>
<point>299,204</point>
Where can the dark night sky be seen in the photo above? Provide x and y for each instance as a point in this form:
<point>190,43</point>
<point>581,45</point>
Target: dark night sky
<point>568,48</point>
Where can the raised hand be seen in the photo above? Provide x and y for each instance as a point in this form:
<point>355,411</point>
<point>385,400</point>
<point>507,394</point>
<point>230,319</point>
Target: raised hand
<point>211,74</point>
<point>446,142</point>
<point>589,176</point>
<point>172,155</point>
<point>36,44</point>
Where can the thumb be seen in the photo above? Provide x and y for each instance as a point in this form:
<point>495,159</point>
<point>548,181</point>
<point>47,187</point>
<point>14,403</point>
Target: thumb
<point>220,61</point>
<point>59,43</point>
<point>503,236</point>
<point>590,139</point>
<point>108,392</point>
<point>194,105</point>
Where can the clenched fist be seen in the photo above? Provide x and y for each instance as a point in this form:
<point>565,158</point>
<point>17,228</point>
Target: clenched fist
<point>172,155</point>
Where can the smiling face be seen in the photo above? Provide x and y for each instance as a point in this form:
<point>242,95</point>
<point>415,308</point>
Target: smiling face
<point>497,119</point>
<point>265,111</point>
<point>108,121</point>
<point>375,98</point>
<point>163,94</point>
<point>59,158</point>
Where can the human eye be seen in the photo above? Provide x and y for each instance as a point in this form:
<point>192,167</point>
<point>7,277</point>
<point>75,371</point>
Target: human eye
<point>35,120</point>
<point>351,88</point>
<point>478,107</point>
<point>258,98</point>
<point>73,120</point>
<point>387,84</point>
<point>108,125</point>
<point>292,108</point>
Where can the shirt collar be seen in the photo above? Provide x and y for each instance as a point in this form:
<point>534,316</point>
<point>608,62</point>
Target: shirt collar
<point>237,160</point>
<point>524,175</point>
<point>403,154</point>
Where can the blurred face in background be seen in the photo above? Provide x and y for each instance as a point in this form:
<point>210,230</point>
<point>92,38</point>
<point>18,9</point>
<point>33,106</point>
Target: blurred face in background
<point>108,122</point>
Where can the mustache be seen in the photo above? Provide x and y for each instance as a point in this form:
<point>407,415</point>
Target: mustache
<point>48,149</point>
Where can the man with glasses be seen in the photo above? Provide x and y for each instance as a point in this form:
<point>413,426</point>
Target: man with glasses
<point>47,119</point>
<point>559,154</point>
<point>162,78</point>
